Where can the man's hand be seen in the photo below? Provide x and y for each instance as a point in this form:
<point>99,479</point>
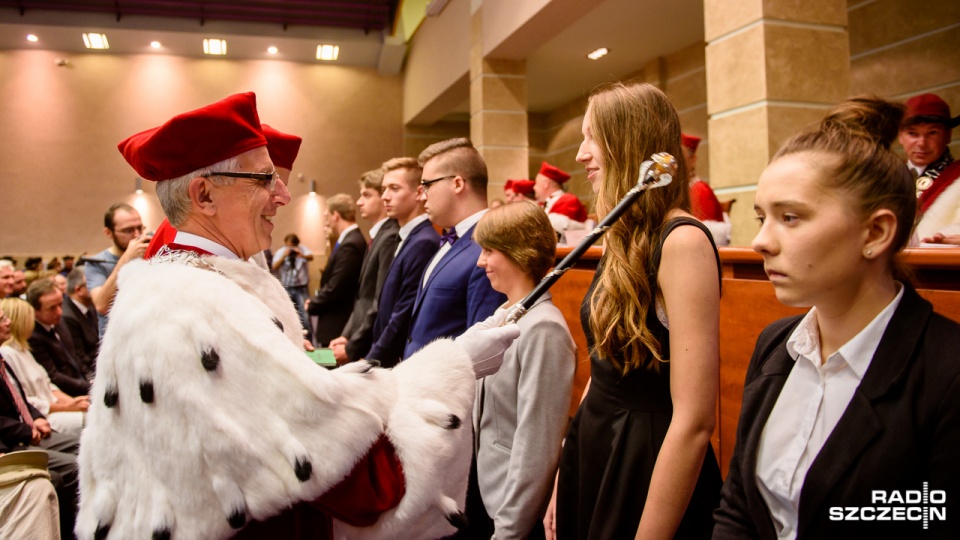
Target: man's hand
<point>79,403</point>
<point>340,353</point>
<point>135,249</point>
<point>940,238</point>
<point>41,425</point>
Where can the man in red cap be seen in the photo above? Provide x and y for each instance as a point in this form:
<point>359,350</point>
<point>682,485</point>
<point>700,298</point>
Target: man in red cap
<point>518,190</point>
<point>564,209</point>
<point>206,417</point>
<point>703,202</point>
<point>925,133</point>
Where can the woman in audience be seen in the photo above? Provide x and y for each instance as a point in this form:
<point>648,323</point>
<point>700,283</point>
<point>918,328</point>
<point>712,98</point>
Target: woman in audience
<point>521,412</point>
<point>861,394</point>
<point>637,460</point>
<point>65,413</point>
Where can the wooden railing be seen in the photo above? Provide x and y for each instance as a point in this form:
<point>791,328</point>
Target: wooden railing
<point>748,304</point>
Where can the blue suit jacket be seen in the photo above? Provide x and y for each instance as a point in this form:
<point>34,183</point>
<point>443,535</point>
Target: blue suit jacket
<point>457,295</point>
<point>399,292</point>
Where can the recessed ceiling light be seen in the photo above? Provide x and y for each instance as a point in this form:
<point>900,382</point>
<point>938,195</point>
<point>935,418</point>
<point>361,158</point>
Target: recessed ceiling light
<point>272,50</point>
<point>96,41</point>
<point>155,44</point>
<point>328,52</point>
<point>215,46</point>
<point>599,53</point>
<point>32,38</point>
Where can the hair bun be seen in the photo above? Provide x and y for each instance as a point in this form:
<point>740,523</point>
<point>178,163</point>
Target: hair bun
<point>869,117</point>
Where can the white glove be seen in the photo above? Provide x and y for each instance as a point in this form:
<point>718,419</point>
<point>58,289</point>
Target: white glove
<point>486,341</point>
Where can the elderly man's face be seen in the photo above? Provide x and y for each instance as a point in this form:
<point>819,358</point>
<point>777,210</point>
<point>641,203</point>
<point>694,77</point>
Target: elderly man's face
<point>6,281</point>
<point>19,282</point>
<point>246,208</point>
<point>51,308</point>
<point>924,143</point>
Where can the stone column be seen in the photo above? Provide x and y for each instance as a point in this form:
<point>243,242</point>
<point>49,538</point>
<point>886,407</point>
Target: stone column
<point>773,67</point>
<point>498,112</point>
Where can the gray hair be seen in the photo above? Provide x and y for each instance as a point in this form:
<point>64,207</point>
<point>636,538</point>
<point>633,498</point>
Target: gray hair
<point>174,194</point>
<point>75,278</point>
<point>7,263</point>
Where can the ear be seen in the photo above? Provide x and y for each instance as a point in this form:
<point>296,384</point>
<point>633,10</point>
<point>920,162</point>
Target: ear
<point>459,184</point>
<point>880,231</point>
<point>107,232</point>
<point>201,196</point>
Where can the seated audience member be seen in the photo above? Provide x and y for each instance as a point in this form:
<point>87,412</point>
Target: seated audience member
<point>861,394</point>
<point>28,500</point>
<point>65,413</point>
<point>454,294</point>
<point>292,262</point>
<point>518,190</point>
<point>19,284</point>
<point>7,279</point>
<point>122,224</point>
<point>521,413</point>
<point>80,317</point>
<point>32,269</point>
<point>60,282</point>
<point>54,267</point>
<point>925,133</point>
<point>67,265</point>
<point>23,427</point>
<point>419,242</point>
<point>340,279</point>
<point>703,203</point>
<point>357,337</point>
<point>564,209</point>
<point>51,342</point>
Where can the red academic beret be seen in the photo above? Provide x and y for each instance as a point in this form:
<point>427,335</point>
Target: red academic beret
<point>283,147</point>
<point>519,186</point>
<point>196,139</point>
<point>690,141</point>
<point>929,109</point>
<point>553,173</point>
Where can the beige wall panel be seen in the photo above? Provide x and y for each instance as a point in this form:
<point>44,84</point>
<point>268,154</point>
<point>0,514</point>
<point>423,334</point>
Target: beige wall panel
<point>804,64</point>
<point>738,149</point>
<point>743,220</point>
<point>735,71</point>
<point>493,128</point>
<point>498,93</point>
<point>502,164</point>
<point>784,122</point>
<point>429,93</point>
<point>689,91</point>
<point>926,62</point>
<point>879,23</point>
<point>62,125</point>
<point>723,16</point>
<point>417,138</point>
<point>830,12</point>
<point>687,59</point>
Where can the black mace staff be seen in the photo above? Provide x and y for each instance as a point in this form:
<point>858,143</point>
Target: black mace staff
<point>657,172</point>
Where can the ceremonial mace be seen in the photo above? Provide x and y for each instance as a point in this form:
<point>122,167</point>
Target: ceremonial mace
<point>657,172</point>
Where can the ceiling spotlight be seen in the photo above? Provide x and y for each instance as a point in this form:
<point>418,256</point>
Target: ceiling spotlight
<point>599,53</point>
<point>328,52</point>
<point>155,44</point>
<point>215,46</point>
<point>32,38</point>
<point>272,50</point>
<point>96,41</point>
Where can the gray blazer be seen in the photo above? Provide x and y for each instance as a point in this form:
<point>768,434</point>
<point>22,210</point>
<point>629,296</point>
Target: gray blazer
<point>520,417</point>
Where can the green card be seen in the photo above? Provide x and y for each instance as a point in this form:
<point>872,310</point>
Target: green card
<point>323,357</point>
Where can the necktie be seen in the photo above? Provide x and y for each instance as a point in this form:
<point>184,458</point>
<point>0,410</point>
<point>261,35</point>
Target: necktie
<point>449,237</point>
<point>335,247</point>
<point>15,392</point>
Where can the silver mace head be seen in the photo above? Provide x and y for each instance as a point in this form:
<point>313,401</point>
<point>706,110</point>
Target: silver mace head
<point>658,171</point>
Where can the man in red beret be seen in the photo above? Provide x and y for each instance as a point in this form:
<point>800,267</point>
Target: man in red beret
<point>703,202</point>
<point>208,420</point>
<point>518,190</point>
<point>564,209</point>
<point>925,133</point>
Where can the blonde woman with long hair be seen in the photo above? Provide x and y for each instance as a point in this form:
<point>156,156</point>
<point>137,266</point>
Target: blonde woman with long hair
<point>637,459</point>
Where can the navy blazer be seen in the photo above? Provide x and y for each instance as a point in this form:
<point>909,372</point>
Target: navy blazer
<point>373,273</point>
<point>333,303</point>
<point>901,429</point>
<point>399,293</point>
<point>457,295</point>
<point>56,357</point>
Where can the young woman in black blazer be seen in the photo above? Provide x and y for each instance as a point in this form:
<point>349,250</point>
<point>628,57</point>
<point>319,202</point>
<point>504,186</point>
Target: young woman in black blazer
<point>856,405</point>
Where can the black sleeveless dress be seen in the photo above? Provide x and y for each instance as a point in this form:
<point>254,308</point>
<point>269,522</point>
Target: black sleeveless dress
<point>612,445</point>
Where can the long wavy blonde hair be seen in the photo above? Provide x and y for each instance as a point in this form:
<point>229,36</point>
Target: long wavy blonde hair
<point>629,123</point>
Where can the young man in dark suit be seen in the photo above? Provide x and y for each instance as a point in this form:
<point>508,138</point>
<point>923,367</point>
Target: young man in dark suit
<point>454,293</point>
<point>80,318</point>
<point>419,242</point>
<point>51,343</point>
<point>340,280</point>
<point>357,336</point>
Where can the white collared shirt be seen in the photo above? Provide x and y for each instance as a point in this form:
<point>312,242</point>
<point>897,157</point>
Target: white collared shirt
<point>407,229</point>
<point>376,228</point>
<point>461,229</point>
<point>345,232</point>
<point>812,400</point>
<point>83,309</point>
<point>190,239</point>
<point>916,168</point>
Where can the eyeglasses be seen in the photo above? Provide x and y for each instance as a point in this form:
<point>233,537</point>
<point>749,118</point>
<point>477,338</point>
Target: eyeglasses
<point>130,230</point>
<point>267,180</point>
<point>426,183</point>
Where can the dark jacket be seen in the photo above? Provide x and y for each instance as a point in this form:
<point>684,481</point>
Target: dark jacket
<point>14,431</point>
<point>85,334</point>
<point>333,303</point>
<point>376,265</point>
<point>55,356</point>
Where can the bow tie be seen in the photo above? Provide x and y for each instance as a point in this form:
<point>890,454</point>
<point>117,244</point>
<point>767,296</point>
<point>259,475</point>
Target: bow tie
<point>449,237</point>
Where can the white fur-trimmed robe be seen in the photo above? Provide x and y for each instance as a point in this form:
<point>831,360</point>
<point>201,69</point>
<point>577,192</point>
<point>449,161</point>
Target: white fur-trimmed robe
<point>205,407</point>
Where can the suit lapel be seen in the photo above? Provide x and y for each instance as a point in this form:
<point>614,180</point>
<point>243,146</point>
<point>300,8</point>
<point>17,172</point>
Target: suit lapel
<point>455,249</point>
<point>860,424</point>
